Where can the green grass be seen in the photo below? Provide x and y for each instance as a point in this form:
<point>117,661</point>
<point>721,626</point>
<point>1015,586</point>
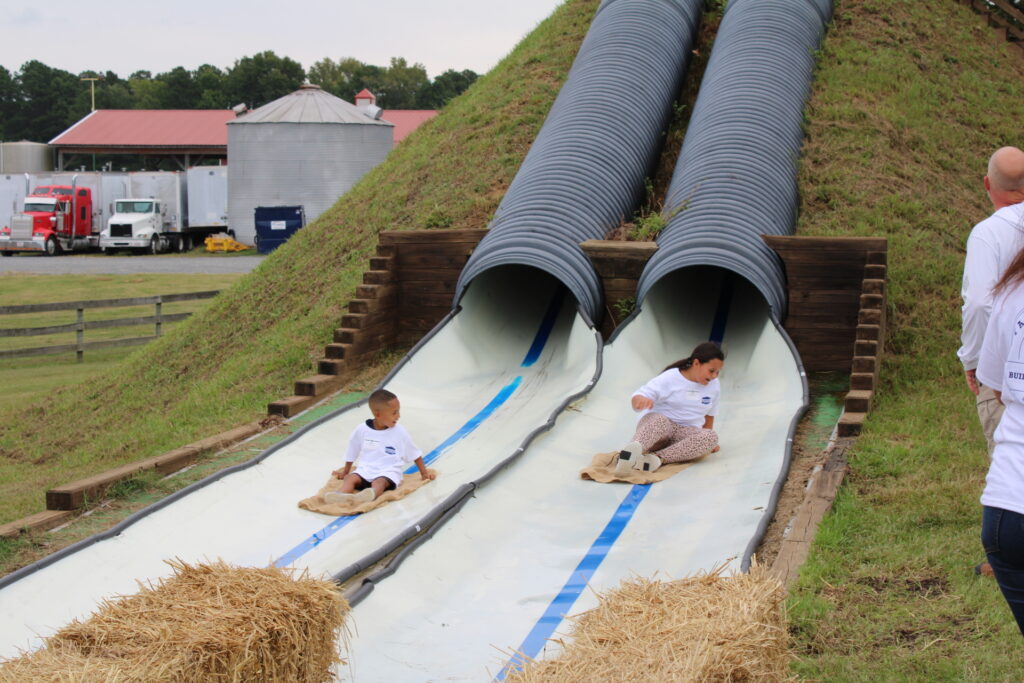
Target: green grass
<point>220,368</point>
<point>29,381</point>
<point>910,100</point>
<point>132,495</point>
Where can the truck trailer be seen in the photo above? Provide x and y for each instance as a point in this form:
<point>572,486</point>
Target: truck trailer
<point>153,216</point>
<point>62,212</point>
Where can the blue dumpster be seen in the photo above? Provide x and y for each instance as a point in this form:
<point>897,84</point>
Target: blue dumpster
<point>275,224</point>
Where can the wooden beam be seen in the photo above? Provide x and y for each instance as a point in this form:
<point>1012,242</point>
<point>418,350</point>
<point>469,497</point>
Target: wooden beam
<point>818,499</point>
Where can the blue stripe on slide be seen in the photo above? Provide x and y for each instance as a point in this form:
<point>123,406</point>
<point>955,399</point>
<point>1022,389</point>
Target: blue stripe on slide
<point>564,601</point>
<point>539,341</point>
<point>545,329</point>
<point>722,311</point>
<point>578,580</point>
<point>341,522</point>
<point>474,422</point>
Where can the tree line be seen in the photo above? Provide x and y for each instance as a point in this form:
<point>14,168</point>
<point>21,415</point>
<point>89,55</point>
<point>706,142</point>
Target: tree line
<point>38,102</point>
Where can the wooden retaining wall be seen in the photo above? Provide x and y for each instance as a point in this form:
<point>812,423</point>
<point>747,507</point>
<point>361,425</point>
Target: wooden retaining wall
<point>406,291</point>
<point>837,306</point>
<point>836,317</point>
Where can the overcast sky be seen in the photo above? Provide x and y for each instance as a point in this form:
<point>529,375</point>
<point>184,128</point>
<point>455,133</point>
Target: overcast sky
<point>124,36</point>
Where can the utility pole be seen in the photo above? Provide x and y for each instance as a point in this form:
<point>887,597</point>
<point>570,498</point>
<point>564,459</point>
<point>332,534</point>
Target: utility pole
<point>92,87</point>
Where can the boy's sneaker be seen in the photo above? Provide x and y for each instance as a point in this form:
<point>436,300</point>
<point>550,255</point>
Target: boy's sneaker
<point>628,458</point>
<point>648,463</point>
<point>335,497</point>
<point>365,496</point>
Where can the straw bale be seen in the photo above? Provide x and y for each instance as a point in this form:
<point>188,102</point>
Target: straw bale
<point>708,627</point>
<point>207,622</point>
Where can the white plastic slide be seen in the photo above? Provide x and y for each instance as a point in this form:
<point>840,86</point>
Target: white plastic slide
<point>534,544</point>
<point>471,394</point>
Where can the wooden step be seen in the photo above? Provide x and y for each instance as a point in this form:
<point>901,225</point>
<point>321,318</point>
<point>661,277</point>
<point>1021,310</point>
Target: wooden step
<point>869,316</point>
<point>291,406</point>
<point>378,277</point>
<point>869,332</point>
<point>317,385</point>
<point>41,521</point>
<point>862,381</point>
<point>865,364</point>
<point>865,347</point>
<point>331,366</point>
<point>381,262</point>
<point>874,271</point>
<point>873,286</point>
<point>868,301</point>
<point>353,320</point>
<point>368,291</point>
<point>337,349</point>
<point>850,424</point>
<point>858,400</point>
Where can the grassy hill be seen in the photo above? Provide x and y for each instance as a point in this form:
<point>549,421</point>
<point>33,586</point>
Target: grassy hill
<point>910,100</point>
<point>221,368</point>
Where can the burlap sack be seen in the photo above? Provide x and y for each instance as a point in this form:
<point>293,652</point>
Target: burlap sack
<point>410,483</point>
<point>602,470</point>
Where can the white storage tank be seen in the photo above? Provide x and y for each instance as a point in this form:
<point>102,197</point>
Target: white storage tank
<point>305,149</point>
<point>25,157</point>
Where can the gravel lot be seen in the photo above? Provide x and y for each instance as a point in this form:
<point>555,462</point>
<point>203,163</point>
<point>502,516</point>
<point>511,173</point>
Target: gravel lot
<point>125,265</point>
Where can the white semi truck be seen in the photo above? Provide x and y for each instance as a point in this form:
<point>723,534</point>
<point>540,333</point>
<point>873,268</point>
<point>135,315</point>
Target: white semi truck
<point>153,217</point>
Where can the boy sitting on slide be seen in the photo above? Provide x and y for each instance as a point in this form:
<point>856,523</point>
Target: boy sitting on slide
<point>380,450</point>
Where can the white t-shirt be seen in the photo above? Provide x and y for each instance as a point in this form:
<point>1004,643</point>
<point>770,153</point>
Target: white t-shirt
<point>381,452</point>
<point>681,400</point>
<point>991,246</point>
<point>1001,366</point>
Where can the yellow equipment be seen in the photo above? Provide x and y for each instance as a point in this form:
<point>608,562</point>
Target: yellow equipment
<point>222,242</point>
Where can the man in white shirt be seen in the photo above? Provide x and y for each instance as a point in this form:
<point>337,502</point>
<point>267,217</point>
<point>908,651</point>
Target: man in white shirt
<point>991,246</point>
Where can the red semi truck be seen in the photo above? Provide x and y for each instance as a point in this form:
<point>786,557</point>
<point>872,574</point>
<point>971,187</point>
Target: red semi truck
<point>55,218</point>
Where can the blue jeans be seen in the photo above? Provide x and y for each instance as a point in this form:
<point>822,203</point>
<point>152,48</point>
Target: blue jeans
<point>1002,534</point>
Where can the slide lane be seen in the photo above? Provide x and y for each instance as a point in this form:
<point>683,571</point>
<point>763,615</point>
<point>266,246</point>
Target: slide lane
<point>471,394</point>
<point>499,577</point>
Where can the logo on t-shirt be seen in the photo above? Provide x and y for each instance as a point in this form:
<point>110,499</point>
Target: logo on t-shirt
<point>706,400</point>
<point>390,450</point>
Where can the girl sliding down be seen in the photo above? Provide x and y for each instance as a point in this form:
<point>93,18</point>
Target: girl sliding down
<point>678,409</point>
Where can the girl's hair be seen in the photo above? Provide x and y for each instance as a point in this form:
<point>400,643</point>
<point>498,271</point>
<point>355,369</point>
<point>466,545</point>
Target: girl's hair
<point>1014,273</point>
<point>704,352</point>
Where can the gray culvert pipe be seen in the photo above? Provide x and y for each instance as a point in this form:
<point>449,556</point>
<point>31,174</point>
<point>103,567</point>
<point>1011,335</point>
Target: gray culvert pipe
<point>585,171</point>
<point>735,179</point>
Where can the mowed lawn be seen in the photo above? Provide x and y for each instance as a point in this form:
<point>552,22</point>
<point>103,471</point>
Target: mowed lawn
<point>27,381</point>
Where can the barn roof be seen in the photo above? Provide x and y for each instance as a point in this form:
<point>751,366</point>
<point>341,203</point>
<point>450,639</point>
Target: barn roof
<point>407,120</point>
<point>168,129</point>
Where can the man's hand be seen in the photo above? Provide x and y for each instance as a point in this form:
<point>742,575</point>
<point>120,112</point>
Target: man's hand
<point>972,381</point>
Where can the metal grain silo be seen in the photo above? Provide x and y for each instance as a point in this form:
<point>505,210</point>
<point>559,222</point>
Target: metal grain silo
<point>25,157</point>
<point>307,148</point>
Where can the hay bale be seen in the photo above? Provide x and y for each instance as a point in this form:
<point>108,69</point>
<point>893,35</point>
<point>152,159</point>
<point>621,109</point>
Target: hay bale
<point>703,628</point>
<point>208,622</point>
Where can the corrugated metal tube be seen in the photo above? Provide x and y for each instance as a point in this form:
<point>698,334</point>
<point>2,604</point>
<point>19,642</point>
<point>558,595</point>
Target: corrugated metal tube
<point>585,171</point>
<point>736,175</point>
